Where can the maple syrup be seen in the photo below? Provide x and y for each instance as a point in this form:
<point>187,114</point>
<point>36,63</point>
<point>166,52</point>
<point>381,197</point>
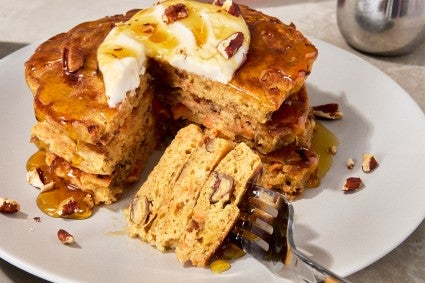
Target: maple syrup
<point>323,140</point>
<point>52,201</point>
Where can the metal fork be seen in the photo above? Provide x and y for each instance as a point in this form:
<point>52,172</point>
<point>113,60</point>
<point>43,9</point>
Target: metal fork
<point>265,231</point>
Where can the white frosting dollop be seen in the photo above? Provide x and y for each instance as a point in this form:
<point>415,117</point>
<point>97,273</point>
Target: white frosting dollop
<point>190,43</point>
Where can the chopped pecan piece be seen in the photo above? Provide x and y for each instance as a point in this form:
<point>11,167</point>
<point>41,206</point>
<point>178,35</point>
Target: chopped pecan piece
<point>69,206</point>
<point>231,45</point>
<point>350,163</point>
<point>333,149</point>
<point>174,13</point>
<point>369,163</point>
<point>65,237</point>
<point>73,59</point>
<point>328,111</point>
<point>35,178</point>
<point>232,8</point>
<point>9,206</point>
<point>352,184</point>
<point>223,188</point>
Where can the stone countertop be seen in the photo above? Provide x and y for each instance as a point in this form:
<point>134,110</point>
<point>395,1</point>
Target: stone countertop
<point>23,22</point>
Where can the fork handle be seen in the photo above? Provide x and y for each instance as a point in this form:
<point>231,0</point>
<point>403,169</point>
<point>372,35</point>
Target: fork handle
<point>311,271</point>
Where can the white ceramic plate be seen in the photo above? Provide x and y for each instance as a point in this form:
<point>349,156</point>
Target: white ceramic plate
<point>344,232</point>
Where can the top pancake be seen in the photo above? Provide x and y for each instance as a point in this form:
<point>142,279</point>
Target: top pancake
<point>278,62</point>
<point>69,91</point>
<point>68,87</point>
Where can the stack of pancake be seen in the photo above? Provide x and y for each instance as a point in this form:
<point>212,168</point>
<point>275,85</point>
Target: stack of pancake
<point>99,149</point>
<point>91,146</point>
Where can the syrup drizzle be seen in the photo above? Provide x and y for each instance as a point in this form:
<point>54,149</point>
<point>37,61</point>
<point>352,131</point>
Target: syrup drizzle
<point>51,201</point>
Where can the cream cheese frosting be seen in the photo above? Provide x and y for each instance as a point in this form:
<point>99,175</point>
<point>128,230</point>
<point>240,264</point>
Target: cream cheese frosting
<point>200,38</point>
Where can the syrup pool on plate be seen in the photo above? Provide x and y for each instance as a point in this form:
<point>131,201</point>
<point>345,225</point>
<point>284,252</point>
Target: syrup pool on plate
<point>322,143</point>
<point>59,199</point>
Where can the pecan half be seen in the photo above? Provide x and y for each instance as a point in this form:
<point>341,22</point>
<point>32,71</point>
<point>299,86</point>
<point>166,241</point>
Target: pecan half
<point>209,144</point>
<point>328,111</point>
<point>229,46</point>
<point>9,206</point>
<point>174,13</point>
<point>352,184</point>
<point>222,189</point>
<point>139,210</point>
<point>369,163</point>
<point>73,59</point>
<point>65,237</point>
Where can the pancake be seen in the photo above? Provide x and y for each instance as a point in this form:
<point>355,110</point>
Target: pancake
<point>98,158</point>
<point>289,170</point>
<point>279,61</point>
<point>68,88</point>
<point>216,209</point>
<point>290,123</point>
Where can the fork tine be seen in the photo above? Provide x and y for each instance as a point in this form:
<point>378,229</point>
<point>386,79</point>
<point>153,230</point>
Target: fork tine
<point>261,230</point>
<point>256,231</point>
<point>255,208</point>
<point>267,205</point>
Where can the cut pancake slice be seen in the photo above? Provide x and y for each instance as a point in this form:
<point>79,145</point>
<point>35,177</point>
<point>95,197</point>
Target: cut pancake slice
<point>148,200</point>
<point>216,209</point>
<point>179,196</point>
<point>178,204</point>
<point>200,178</point>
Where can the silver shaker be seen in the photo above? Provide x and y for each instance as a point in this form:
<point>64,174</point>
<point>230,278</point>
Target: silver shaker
<point>382,27</point>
